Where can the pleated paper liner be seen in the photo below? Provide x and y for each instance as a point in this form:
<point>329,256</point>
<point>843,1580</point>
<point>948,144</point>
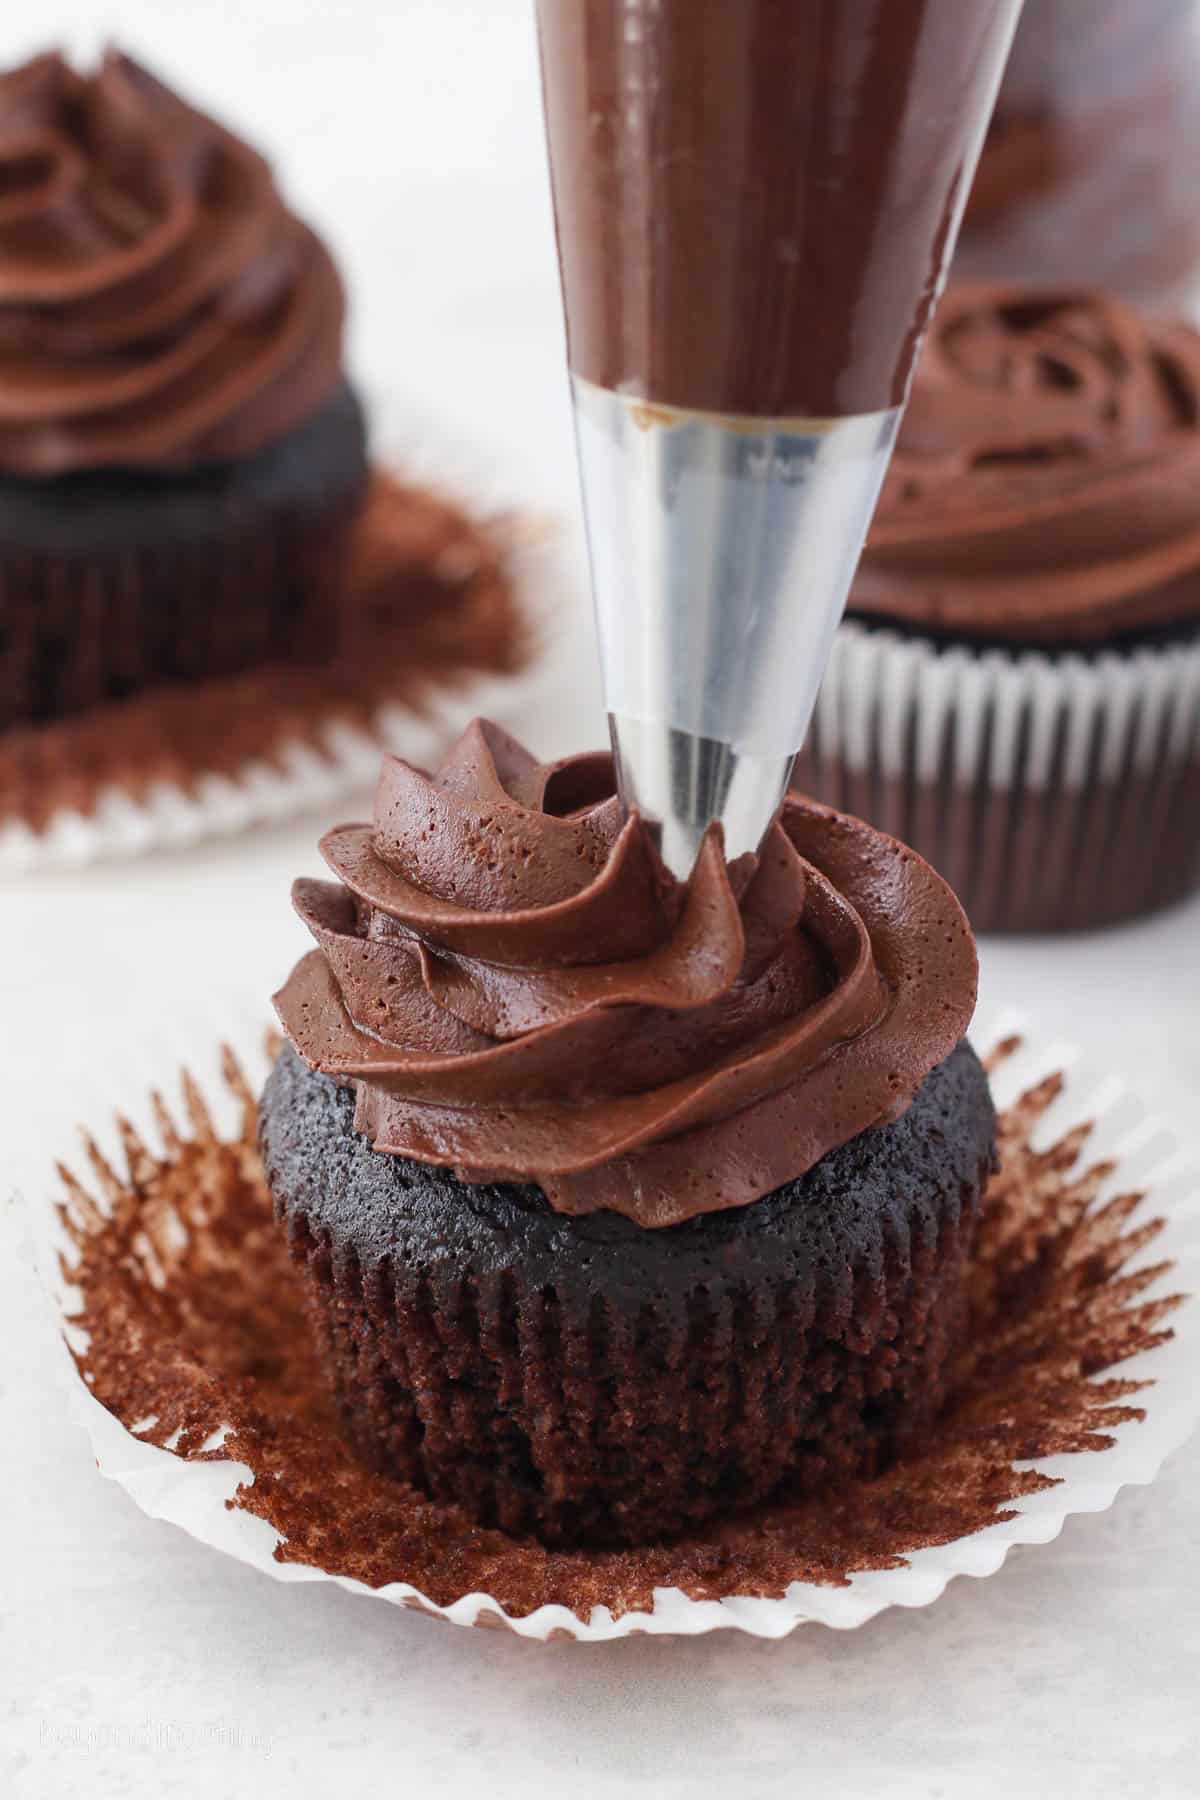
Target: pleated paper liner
<point>194,1377</point>
<point>444,615</point>
<point>1053,792</point>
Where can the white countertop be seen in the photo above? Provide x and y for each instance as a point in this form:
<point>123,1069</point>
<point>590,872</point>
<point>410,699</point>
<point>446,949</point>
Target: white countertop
<point>132,1661</point>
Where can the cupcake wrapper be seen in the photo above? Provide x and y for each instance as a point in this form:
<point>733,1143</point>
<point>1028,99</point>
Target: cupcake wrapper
<point>1052,792</point>
<point>193,1494</point>
<point>531,1407</point>
<point>317,771</point>
<point>319,761</point>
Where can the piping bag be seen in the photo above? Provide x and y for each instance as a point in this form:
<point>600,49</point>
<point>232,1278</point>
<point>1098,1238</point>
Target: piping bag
<point>756,202</point>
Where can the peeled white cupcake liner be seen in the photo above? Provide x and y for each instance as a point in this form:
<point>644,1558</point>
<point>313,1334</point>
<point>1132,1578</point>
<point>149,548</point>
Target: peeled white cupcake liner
<point>306,775</point>
<point>1148,1156</point>
<point>978,757</point>
<point>334,760</point>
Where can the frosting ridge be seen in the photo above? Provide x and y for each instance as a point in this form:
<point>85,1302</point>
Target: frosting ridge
<point>159,304</point>
<point>1046,484</point>
<point>515,987</point>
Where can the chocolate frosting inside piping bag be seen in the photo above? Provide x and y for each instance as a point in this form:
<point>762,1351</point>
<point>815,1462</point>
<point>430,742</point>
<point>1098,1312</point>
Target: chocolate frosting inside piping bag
<point>1046,484</point>
<point>755,204</point>
<point>515,988</point>
<point>159,305</point>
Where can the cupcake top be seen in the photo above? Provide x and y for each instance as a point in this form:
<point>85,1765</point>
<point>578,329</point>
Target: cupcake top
<point>159,305</point>
<point>1046,485</point>
<point>517,989</point>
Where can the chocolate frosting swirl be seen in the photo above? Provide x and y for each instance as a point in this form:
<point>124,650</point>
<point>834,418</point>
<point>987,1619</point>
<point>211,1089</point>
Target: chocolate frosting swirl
<point>159,305</point>
<point>1046,486</point>
<point>516,989</point>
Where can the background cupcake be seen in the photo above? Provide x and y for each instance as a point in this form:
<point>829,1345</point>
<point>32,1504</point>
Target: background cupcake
<point>1088,169</point>
<point>1017,689</point>
<point>180,455</point>
<point>619,1208</point>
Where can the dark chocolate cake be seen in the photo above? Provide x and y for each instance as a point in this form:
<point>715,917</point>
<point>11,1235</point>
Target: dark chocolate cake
<point>593,1382</point>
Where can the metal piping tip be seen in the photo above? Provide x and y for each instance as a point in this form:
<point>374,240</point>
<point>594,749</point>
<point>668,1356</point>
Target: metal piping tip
<point>722,549</point>
<point>680,784</point>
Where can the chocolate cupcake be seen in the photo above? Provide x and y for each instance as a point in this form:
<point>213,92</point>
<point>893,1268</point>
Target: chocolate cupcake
<point>180,455</point>
<point>1088,170</point>
<point>1017,689</point>
<point>619,1205</point>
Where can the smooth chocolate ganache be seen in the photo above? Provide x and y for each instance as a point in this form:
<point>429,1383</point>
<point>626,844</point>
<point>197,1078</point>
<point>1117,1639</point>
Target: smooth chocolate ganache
<point>160,306</point>
<point>515,989</point>
<point>1046,485</point>
<point>755,201</point>
<point>620,1205</point>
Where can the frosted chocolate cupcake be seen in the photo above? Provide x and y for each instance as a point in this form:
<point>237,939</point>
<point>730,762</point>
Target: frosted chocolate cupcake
<point>1088,171</point>
<point>180,456</point>
<point>619,1205</point>
<point>1017,689</point>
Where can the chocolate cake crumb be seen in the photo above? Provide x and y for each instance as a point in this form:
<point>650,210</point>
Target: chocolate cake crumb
<point>194,1319</point>
<point>427,600</point>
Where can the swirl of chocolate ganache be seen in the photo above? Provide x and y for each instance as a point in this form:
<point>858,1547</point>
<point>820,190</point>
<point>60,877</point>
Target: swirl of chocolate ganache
<point>1046,485</point>
<point>516,988</point>
<point>159,305</point>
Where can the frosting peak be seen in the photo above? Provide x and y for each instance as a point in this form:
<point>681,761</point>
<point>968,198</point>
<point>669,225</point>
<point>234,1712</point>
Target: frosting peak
<point>516,988</point>
<point>159,305</point>
<point>1046,485</point>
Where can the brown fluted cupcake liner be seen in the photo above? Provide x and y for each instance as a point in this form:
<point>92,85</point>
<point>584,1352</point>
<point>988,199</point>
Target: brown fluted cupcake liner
<point>192,1334</point>
<point>599,1423</point>
<point>1053,792</point>
<point>437,612</point>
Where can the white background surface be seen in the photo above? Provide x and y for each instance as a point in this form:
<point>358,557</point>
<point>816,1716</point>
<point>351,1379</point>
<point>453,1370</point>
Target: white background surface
<point>134,1662</point>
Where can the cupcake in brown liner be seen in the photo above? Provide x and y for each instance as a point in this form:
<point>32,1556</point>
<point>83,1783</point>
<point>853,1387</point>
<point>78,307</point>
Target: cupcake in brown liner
<point>621,1207</point>
<point>1017,689</point>
<point>188,1323</point>
<point>181,458</point>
